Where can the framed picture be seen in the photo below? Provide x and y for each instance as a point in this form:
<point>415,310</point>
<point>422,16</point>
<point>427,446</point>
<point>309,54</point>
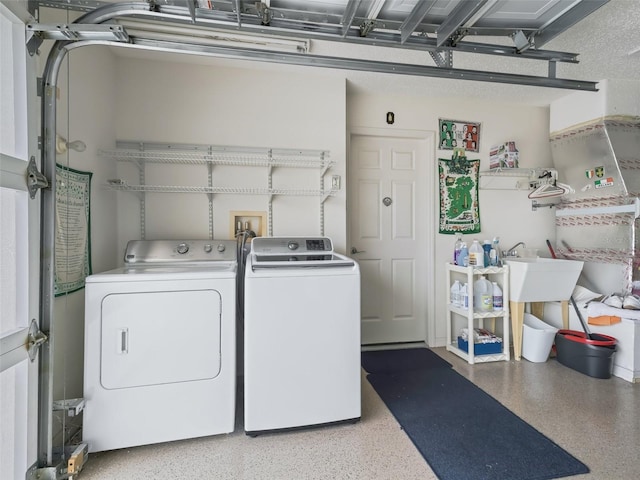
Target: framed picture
<point>457,133</point>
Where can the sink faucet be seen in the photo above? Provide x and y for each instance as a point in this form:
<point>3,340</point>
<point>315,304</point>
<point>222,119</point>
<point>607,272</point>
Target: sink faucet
<point>512,251</point>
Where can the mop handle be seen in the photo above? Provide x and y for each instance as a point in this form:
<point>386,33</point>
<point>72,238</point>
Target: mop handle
<point>573,302</point>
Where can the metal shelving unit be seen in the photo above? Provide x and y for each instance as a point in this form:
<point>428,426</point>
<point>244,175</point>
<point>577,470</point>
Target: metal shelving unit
<point>145,153</point>
<point>475,318</point>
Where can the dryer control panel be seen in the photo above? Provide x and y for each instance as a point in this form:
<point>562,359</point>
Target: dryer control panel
<point>179,251</point>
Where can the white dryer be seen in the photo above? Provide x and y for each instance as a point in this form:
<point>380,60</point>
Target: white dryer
<point>302,335</point>
<point>159,361</point>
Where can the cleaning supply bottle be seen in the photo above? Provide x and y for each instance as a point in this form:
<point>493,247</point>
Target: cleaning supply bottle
<point>464,296</point>
<point>456,250</point>
<point>493,257</point>
<point>463,258</point>
<point>476,255</point>
<point>497,297</point>
<point>486,246</point>
<point>495,246</point>
<point>483,295</point>
<point>455,294</point>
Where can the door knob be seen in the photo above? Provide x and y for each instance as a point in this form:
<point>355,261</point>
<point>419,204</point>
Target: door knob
<point>387,201</point>
<point>354,250</point>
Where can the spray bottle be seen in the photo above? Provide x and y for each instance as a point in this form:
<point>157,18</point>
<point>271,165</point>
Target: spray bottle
<point>495,258</point>
<point>463,258</point>
<point>456,250</point>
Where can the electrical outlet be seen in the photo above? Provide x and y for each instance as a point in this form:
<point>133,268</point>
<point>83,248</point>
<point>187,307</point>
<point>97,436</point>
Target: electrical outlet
<point>335,182</point>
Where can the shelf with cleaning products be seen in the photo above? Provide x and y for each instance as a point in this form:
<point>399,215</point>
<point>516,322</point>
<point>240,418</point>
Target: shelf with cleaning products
<point>471,317</point>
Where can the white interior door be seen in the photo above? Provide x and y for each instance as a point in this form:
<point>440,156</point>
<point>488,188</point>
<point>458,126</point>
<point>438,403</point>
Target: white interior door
<point>390,188</point>
<point>19,257</point>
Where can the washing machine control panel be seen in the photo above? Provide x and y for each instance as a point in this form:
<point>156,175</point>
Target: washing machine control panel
<point>317,245</point>
<point>284,245</point>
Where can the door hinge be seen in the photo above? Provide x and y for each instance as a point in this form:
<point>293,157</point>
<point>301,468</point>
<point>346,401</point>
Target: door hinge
<point>35,179</point>
<point>35,339</point>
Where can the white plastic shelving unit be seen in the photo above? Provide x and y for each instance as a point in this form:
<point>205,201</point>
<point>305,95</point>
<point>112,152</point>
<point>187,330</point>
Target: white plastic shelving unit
<point>474,319</point>
<point>143,153</point>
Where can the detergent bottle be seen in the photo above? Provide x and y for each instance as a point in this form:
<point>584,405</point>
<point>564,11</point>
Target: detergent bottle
<point>483,295</point>
<point>497,297</point>
<point>476,255</point>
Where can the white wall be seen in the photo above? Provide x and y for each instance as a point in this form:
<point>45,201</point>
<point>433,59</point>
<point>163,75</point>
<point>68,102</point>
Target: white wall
<point>160,101</point>
<point>85,112</point>
<point>614,97</point>
<point>504,213</point>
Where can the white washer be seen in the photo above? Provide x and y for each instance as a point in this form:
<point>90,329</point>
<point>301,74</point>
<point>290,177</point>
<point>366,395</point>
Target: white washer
<point>302,335</point>
<point>160,345</point>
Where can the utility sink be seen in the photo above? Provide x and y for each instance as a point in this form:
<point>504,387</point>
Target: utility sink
<point>542,279</point>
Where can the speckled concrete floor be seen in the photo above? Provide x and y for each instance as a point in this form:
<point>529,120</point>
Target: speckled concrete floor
<point>595,420</point>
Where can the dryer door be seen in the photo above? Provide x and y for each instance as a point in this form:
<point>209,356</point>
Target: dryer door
<point>151,338</point>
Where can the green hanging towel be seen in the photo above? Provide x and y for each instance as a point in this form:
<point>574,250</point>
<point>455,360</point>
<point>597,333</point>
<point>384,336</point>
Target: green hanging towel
<point>459,207</point>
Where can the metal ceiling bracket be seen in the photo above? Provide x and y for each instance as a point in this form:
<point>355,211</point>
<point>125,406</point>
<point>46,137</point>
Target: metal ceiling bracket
<point>441,61</point>
<point>521,41</point>
<point>448,56</point>
<point>35,339</point>
<point>552,69</point>
<point>35,179</point>
<point>367,27</point>
<point>34,40</point>
<point>264,13</point>
<point>75,32</point>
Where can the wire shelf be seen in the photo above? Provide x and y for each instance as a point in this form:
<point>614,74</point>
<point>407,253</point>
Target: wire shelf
<point>120,186</point>
<point>266,158</point>
<point>512,172</point>
<point>141,154</point>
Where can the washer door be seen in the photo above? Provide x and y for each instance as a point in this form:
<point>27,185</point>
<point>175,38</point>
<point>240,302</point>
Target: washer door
<point>157,338</point>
